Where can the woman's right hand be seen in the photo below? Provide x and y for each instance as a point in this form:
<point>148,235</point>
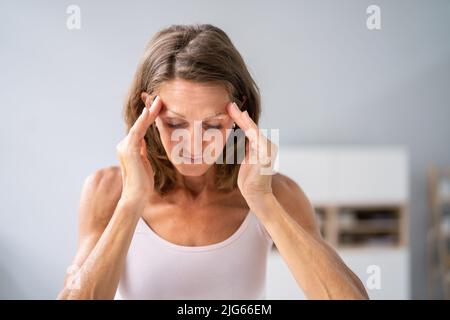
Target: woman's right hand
<point>137,172</point>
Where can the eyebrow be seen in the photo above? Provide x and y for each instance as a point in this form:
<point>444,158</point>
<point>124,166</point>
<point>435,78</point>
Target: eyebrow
<point>209,117</point>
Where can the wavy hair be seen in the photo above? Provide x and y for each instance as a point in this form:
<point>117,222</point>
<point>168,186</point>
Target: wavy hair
<point>201,53</point>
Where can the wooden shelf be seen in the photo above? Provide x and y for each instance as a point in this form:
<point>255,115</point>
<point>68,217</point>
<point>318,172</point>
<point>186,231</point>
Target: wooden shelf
<point>444,201</point>
<point>363,225</point>
<point>438,235</point>
<point>355,190</point>
<point>361,197</point>
<point>367,229</point>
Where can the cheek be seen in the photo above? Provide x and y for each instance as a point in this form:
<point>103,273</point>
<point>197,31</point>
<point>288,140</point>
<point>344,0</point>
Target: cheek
<point>228,131</point>
<point>217,144</point>
<point>159,124</point>
<point>165,134</point>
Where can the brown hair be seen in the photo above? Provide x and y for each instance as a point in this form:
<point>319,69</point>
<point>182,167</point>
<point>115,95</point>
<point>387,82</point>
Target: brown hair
<point>202,53</point>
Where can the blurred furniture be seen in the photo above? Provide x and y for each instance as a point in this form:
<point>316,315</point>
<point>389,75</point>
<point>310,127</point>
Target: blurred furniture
<point>360,195</point>
<point>438,236</point>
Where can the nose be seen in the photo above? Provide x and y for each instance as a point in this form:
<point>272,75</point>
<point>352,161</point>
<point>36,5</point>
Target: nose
<point>193,145</point>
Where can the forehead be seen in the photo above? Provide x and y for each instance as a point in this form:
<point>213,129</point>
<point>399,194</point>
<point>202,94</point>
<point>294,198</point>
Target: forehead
<point>193,98</point>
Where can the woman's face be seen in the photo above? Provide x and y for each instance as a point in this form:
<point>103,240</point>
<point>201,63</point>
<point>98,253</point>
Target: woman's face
<point>193,123</point>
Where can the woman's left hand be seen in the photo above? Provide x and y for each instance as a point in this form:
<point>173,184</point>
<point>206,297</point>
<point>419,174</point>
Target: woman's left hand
<point>256,170</point>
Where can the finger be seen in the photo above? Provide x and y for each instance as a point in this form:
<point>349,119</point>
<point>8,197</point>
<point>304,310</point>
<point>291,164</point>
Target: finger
<point>237,115</point>
<point>144,155</point>
<point>241,118</point>
<point>255,136</point>
<point>251,125</point>
<point>147,116</point>
<point>154,110</point>
<point>247,154</point>
<point>143,150</point>
<point>259,143</point>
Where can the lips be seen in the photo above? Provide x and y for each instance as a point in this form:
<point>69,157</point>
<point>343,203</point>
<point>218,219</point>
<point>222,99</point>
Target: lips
<point>191,159</point>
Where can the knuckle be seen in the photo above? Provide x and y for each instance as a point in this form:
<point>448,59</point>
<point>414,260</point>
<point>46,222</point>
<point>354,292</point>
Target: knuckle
<point>132,132</point>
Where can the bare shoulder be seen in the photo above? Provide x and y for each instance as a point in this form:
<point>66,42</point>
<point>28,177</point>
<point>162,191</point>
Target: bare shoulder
<point>105,179</point>
<point>99,197</point>
<point>294,200</point>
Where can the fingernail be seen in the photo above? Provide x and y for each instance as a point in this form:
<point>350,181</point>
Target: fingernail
<point>235,107</point>
<point>154,101</point>
<point>144,111</point>
<point>246,115</point>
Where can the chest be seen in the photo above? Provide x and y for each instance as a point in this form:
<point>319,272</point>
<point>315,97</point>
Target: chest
<point>194,226</point>
<point>232,269</point>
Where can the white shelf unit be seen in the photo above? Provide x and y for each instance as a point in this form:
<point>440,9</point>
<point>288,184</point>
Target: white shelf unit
<point>361,196</point>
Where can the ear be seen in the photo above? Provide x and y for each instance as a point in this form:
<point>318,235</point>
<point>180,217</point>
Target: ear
<point>144,96</point>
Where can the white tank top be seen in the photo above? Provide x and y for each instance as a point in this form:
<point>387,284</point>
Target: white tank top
<point>232,269</point>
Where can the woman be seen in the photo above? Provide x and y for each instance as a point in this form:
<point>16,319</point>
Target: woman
<point>168,225</point>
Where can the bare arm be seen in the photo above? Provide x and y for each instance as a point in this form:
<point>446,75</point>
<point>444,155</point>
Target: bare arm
<point>111,205</point>
<point>289,218</point>
<point>106,226</point>
<point>100,273</point>
<point>319,271</point>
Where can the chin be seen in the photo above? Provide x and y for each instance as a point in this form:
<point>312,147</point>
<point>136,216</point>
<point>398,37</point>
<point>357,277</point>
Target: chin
<point>192,170</point>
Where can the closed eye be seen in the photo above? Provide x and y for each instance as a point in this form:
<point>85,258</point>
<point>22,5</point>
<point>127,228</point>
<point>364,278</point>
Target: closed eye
<point>174,126</point>
<point>181,125</point>
<point>214,127</point>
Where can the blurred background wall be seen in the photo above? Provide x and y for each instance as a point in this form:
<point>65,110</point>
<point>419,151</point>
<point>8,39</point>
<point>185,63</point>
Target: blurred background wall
<point>324,78</point>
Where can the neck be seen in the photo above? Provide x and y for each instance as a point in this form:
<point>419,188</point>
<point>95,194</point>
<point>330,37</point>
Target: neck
<point>197,186</point>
